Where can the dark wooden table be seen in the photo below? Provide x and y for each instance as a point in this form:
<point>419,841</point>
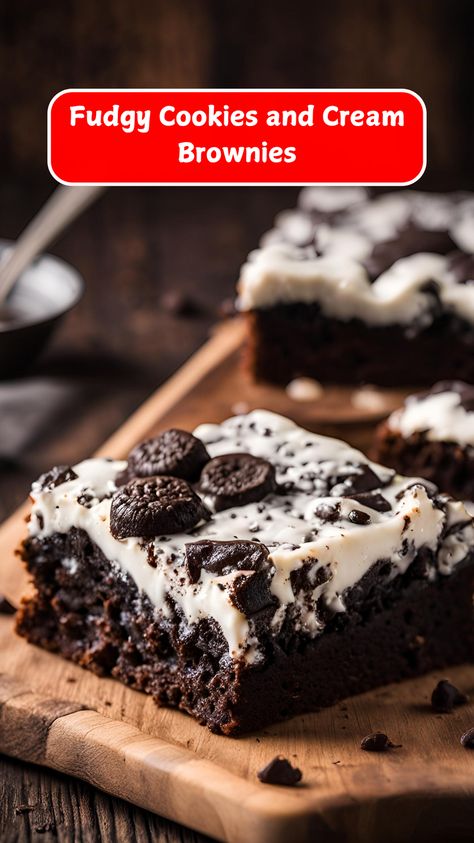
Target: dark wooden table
<point>133,248</point>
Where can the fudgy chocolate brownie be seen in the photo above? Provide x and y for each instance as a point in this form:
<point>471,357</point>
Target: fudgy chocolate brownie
<point>432,435</point>
<point>349,289</point>
<point>266,571</point>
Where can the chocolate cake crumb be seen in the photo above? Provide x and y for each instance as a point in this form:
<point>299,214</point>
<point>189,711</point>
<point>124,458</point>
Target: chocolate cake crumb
<point>279,771</point>
<point>56,476</point>
<point>446,696</point>
<point>467,739</point>
<point>6,608</point>
<point>378,742</point>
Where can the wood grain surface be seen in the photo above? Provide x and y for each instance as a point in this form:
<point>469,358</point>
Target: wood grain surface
<point>54,713</point>
<point>109,354</point>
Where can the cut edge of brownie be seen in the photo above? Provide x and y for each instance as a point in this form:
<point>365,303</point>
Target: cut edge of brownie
<point>88,610</point>
<point>449,465</point>
<point>298,340</point>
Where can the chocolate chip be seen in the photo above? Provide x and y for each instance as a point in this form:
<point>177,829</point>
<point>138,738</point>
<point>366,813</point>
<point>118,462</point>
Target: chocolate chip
<point>174,452</point>
<point>467,739</point>
<point>280,771</point>
<point>152,506</point>
<point>377,742</point>
<point>373,500</point>
<point>224,557</point>
<point>446,696</point>
<point>6,608</point>
<point>357,516</point>
<point>236,480</point>
<point>58,475</point>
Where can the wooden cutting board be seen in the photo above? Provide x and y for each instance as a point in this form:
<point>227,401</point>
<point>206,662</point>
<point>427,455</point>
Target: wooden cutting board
<point>58,715</point>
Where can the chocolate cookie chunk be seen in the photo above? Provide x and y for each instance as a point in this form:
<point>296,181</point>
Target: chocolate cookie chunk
<point>362,479</point>
<point>372,500</point>
<point>408,241</point>
<point>464,390</point>
<point>174,452</point>
<point>236,480</point>
<point>280,771</point>
<point>446,696</point>
<point>224,557</point>
<point>58,475</point>
<point>154,506</point>
<point>377,742</point>
<point>250,592</point>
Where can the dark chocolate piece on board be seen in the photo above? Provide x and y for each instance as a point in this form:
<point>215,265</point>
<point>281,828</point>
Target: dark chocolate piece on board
<point>446,696</point>
<point>280,771</point>
<point>467,739</point>
<point>155,506</point>
<point>6,608</point>
<point>377,742</point>
<point>174,452</point>
<point>236,480</point>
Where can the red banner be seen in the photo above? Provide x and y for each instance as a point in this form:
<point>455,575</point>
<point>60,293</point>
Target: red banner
<point>213,136</point>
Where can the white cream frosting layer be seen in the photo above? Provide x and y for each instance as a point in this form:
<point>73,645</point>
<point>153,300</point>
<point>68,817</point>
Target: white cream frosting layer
<point>305,260</point>
<point>284,274</point>
<point>286,523</point>
<point>440,416</point>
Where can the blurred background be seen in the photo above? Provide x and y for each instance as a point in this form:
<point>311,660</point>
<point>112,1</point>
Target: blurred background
<point>158,263</point>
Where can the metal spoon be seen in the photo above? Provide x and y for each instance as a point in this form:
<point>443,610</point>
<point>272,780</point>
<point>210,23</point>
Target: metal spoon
<point>62,207</point>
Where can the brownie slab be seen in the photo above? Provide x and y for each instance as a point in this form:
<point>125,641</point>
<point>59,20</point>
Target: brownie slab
<point>307,573</point>
<point>432,436</point>
<point>378,290</point>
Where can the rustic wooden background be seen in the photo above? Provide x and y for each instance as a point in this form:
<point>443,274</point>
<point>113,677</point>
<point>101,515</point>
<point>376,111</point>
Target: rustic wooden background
<point>137,244</point>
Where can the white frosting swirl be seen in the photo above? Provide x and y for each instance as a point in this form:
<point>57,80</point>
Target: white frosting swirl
<point>440,416</point>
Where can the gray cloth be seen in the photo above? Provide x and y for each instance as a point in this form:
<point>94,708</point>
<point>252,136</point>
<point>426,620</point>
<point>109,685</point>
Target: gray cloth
<point>26,408</point>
